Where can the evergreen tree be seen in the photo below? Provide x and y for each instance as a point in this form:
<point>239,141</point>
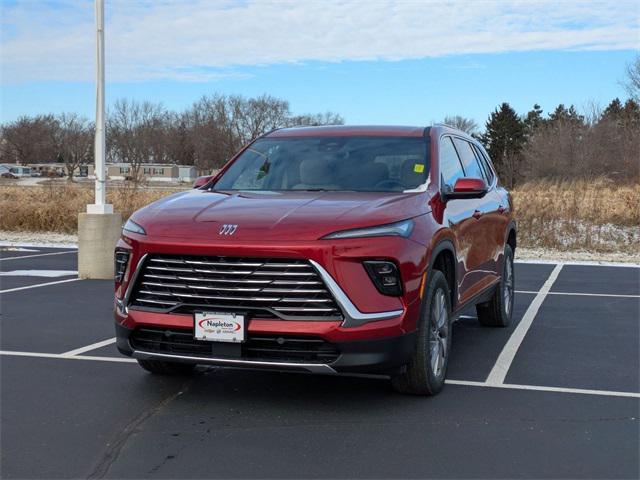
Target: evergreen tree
<point>533,120</point>
<point>504,138</point>
<point>627,115</point>
<point>631,114</point>
<point>566,116</point>
<point>613,110</point>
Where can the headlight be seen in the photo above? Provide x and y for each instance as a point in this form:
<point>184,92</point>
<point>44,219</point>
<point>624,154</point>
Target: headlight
<point>131,226</point>
<point>399,229</point>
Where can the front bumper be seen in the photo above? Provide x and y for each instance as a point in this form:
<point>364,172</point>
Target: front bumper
<point>375,335</point>
<point>379,356</point>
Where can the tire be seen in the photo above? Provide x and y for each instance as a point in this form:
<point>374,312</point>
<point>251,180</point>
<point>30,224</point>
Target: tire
<point>497,312</point>
<point>158,367</point>
<point>426,371</point>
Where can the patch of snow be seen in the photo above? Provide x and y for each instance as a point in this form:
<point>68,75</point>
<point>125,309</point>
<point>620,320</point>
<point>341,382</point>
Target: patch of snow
<point>38,239</point>
<point>39,273</point>
<point>546,255</point>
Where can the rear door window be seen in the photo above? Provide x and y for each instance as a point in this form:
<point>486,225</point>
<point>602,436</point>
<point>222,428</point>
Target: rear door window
<point>450,167</point>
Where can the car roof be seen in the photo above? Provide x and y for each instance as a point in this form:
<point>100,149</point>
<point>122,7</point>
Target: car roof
<point>442,128</point>
<point>349,131</point>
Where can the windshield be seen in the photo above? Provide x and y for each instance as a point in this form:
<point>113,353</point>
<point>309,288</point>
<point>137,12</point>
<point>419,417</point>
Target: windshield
<point>367,164</point>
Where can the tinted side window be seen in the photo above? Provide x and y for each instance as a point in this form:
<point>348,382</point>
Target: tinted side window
<point>469,161</point>
<point>484,161</point>
<point>450,168</point>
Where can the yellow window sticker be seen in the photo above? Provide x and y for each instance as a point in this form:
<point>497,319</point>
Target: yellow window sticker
<point>418,168</point>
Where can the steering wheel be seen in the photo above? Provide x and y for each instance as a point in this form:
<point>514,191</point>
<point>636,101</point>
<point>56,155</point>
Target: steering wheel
<point>389,184</point>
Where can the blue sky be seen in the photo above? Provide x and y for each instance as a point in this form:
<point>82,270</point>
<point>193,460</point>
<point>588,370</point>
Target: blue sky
<point>390,63</point>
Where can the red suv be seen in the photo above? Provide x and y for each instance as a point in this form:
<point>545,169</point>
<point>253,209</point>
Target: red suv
<point>321,249</point>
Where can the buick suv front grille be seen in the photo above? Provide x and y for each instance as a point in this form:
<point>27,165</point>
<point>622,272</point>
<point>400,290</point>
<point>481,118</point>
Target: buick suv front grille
<point>265,287</point>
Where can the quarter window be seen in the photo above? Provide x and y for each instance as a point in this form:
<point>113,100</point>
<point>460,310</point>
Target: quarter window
<point>484,161</point>
<point>450,168</point>
<point>469,161</point>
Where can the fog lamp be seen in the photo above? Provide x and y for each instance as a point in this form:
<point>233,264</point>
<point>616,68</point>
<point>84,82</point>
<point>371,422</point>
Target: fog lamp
<point>385,276</point>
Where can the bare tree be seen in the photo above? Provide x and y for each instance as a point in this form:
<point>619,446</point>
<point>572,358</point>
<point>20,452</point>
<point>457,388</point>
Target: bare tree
<point>29,140</point>
<point>178,145</point>
<point>218,126</point>
<point>632,83</point>
<point>467,125</point>
<point>211,134</point>
<point>254,116</point>
<point>206,135</point>
<point>134,134</point>
<point>315,120</point>
<point>74,141</point>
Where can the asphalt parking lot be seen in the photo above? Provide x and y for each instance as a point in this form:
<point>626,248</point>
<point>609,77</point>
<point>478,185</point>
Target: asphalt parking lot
<point>555,395</point>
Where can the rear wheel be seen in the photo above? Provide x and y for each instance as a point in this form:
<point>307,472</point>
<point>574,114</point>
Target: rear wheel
<point>425,372</point>
<point>166,368</point>
<point>497,311</point>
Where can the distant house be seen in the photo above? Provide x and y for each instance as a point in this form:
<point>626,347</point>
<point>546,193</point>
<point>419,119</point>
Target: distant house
<point>153,172</point>
<point>56,169</point>
<point>49,169</point>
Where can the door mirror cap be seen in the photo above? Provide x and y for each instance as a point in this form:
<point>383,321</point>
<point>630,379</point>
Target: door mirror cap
<point>201,181</point>
<point>467,187</point>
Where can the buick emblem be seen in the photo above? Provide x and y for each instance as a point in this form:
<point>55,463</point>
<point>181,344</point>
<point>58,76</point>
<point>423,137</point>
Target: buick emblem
<point>228,229</point>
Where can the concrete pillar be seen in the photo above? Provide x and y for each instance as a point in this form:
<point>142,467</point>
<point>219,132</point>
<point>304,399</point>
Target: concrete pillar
<point>97,237</point>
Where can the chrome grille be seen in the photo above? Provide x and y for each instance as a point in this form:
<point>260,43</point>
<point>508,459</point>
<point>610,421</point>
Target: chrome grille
<point>285,288</point>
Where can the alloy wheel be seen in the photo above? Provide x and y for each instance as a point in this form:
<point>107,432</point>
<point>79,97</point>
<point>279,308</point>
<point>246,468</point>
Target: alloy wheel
<point>439,333</point>
<point>508,286</point>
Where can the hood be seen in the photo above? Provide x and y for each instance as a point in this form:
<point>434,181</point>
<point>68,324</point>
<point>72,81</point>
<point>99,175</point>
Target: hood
<point>264,216</point>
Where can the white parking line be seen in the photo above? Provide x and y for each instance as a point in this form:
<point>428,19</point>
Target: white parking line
<point>584,263</point>
<point>39,285</point>
<point>538,388</point>
<point>93,346</point>
<point>67,357</point>
<point>499,371</point>
<point>505,386</point>
<point>584,294</point>
<point>38,255</point>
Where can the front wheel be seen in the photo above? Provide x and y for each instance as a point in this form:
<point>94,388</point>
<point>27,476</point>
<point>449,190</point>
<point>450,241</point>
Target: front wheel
<point>497,311</point>
<point>425,372</point>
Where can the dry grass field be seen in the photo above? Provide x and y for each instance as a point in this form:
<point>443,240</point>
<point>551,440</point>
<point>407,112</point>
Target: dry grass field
<point>55,208</point>
<point>597,215</point>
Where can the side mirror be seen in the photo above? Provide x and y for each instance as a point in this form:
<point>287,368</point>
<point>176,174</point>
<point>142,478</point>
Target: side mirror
<point>200,181</point>
<point>467,187</point>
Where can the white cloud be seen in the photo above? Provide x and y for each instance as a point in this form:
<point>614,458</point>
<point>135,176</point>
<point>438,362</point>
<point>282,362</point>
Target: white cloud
<point>203,40</point>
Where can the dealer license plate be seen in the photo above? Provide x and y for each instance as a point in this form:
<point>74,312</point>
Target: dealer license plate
<point>219,327</point>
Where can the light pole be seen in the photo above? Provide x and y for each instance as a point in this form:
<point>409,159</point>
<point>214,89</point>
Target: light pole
<point>100,205</point>
<point>99,228</point>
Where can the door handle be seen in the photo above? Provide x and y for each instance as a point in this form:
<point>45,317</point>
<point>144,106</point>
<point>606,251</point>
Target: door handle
<point>501,209</point>
<point>477,214</point>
